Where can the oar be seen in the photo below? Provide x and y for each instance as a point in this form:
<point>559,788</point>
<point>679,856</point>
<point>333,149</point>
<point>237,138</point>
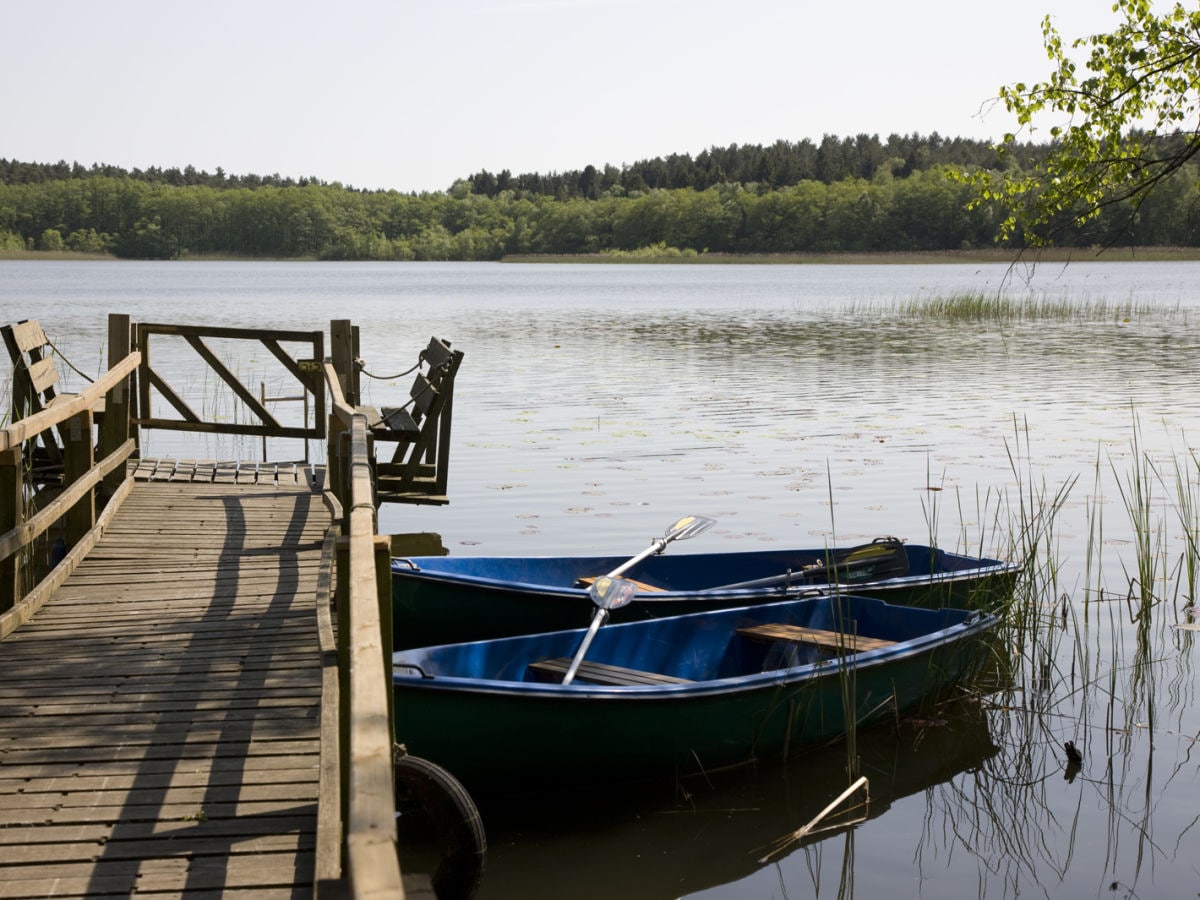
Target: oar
<point>611,592</point>
<point>607,593</point>
<point>687,527</point>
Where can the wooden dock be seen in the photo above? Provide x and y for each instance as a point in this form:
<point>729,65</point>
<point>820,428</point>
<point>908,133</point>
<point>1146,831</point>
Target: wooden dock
<point>160,716</point>
<point>178,714</point>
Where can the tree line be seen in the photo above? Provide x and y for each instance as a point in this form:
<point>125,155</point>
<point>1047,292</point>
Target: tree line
<point>916,199</point>
<point>779,165</point>
<point>14,171</point>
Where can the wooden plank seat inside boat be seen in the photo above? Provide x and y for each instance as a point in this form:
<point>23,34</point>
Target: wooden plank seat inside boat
<point>798,634</point>
<point>643,587</point>
<point>600,673</point>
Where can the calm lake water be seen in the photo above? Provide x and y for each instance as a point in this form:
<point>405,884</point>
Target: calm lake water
<point>794,404</point>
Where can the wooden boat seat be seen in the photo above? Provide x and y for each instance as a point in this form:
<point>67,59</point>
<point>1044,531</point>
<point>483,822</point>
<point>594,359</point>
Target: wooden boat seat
<point>642,587</point>
<point>797,634</point>
<point>600,673</point>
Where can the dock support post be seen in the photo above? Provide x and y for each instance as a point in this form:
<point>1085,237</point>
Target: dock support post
<point>117,425</point>
<point>383,587</point>
<point>343,349</point>
<point>12,514</point>
<point>78,458</point>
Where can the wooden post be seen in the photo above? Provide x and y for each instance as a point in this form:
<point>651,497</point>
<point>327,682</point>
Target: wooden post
<point>343,341</point>
<point>142,340</point>
<point>383,586</point>
<point>77,461</point>
<point>117,423</point>
<point>12,510</point>
<point>337,461</point>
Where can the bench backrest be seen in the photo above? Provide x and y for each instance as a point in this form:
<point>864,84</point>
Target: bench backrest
<point>34,376</point>
<point>34,373</point>
<point>418,469</point>
<point>442,365</point>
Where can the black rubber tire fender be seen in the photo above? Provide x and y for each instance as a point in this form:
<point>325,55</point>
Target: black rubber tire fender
<point>456,823</point>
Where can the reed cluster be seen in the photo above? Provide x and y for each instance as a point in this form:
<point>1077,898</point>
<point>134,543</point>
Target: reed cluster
<point>1004,307</point>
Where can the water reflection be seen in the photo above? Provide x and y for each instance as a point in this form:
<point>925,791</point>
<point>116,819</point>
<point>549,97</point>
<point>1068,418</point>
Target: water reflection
<point>668,840</point>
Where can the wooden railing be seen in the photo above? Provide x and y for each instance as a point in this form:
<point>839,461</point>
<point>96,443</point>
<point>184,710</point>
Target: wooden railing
<point>26,579</point>
<point>364,736</point>
<point>265,424</point>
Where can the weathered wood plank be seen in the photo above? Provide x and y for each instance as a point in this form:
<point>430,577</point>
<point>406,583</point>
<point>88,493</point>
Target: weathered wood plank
<point>205,795</point>
<point>796,634</point>
<point>156,768</point>
<point>129,876</point>
<point>601,673</point>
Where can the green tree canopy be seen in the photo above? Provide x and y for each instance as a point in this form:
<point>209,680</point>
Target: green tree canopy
<point>1123,113</point>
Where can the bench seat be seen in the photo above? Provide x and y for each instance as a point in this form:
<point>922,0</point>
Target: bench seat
<point>599,673</point>
<point>797,634</point>
<point>643,587</point>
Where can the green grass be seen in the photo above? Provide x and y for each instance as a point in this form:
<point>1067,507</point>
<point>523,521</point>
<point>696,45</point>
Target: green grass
<point>990,307</point>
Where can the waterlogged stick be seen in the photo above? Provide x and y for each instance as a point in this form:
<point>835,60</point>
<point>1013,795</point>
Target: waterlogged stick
<point>783,843</point>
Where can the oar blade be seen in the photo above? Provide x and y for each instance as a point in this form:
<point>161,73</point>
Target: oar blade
<point>689,527</point>
<point>612,593</point>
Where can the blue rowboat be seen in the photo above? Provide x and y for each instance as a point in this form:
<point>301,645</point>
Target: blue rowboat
<point>444,599</point>
<point>677,695</point>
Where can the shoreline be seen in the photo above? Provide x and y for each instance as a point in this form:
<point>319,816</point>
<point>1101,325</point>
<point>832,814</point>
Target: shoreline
<point>916,257</point>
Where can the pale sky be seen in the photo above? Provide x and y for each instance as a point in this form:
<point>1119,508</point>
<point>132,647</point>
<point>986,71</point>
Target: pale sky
<point>411,95</point>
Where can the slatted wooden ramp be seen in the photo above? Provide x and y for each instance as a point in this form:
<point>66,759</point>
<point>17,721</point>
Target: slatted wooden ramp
<point>160,716</point>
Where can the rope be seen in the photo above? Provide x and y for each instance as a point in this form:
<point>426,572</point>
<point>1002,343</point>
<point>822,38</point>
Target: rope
<point>359,363</point>
<point>425,388</point>
<point>72,365</point>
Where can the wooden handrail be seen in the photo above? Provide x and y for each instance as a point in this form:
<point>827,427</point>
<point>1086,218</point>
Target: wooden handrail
<point>23,611</point>
<point>339,407</point>
<point>371,866</point>
<point>22,430</point>
<point>73,500</point>
<point>38,524</point>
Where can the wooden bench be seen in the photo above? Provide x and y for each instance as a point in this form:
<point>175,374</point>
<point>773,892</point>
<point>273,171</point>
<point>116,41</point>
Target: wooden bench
<point>599,673</point>
<point>417,472</point>
<point>34,376</point>
<point>798,634</point>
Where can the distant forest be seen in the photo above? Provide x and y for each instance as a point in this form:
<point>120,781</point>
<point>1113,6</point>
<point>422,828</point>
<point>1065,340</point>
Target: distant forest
<point>856,194</point>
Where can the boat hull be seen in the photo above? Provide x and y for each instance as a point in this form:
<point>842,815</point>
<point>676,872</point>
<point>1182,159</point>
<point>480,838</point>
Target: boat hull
<point>437,600</point>
<point>478,710</point>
